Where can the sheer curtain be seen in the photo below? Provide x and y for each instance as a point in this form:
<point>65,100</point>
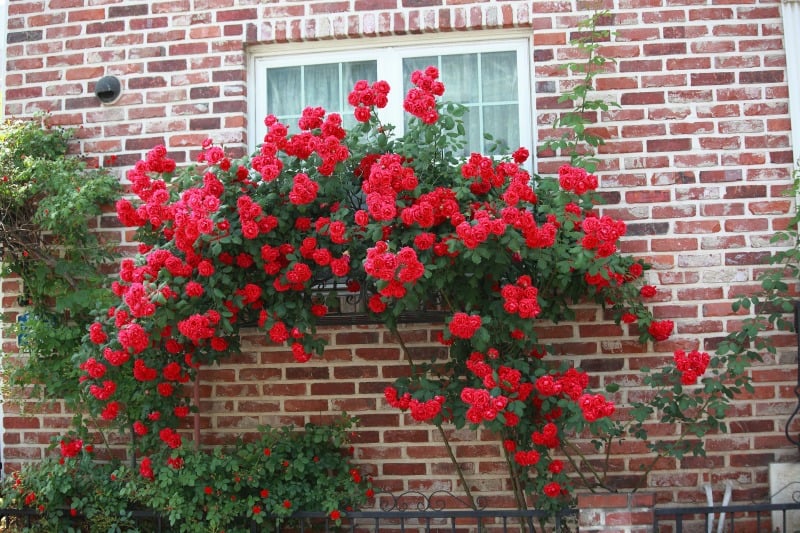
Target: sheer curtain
<point>291,89</point>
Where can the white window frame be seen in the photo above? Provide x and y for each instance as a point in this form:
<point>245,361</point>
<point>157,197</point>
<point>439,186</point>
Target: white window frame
<point>790,11</point>
<point>388,53</point>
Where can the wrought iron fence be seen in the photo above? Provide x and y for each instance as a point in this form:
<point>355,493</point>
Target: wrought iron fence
<point>413,512</point>
<point>748,518</point>
<point>407,521</point>
<point>409,512</point>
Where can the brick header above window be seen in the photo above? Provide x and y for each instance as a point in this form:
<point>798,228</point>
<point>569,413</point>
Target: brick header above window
<point>279,25</point>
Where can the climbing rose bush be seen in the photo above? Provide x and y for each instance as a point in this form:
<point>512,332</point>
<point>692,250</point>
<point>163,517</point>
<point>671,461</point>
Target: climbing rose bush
<point>410,221</point>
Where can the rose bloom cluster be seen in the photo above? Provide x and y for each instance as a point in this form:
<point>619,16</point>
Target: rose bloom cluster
<point>421,99</point>
<point>512,388</point>
<point>396,270</point>
<point>576,179</point>
<point>464,325</point>
<point>691,365</point>
<point>602,234</point>
<point>520,298</point>
<point>364,97</point>
<point>70,448</point>
<point>421,411</point>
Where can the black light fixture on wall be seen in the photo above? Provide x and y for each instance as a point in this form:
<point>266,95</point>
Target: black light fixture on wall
<point>107,89</point>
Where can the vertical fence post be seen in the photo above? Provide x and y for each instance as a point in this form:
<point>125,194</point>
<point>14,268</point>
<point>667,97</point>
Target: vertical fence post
<point>616,513</point>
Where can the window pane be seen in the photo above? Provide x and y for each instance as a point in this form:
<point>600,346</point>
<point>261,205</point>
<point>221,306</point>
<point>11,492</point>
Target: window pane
<point>499,76</point>
<point>291,89</point>
<point>410,64</point>
<point>459,73</point>
<point>486,82</point>
<point>482,76</point>
<point>351,73</point>
<point>321,86</point>
<point>358,70</point>
<point>502,122</point>
<point>283,91</point>
<point>472,124</point>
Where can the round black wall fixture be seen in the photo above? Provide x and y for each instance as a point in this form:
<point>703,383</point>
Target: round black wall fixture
<point>107,89</point>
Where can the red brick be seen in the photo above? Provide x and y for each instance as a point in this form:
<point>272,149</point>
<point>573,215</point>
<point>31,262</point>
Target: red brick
<point>353,405</point>
<point>673,245</point>
<point>712,78</point>
<point>775,207</point>
<point>751,459</point>
<point>714,13</point>
<point>761,76</point>
<point>669,145</point>
<point>23,93</point>
<point>313,406</point>
<point>602,501</point>
<point>669,48</point>
<point>27,453</point>
<point>647,197</point>
<point>86,15</point>
<point>760,45</point>
<point>745,191</point>
<point>664,80</point>
<point>696,160</point>
<point>715,46</point>
<point>720,242</point>
<point>644,130</point>
<point>642,98</point>
<point>24,422</point>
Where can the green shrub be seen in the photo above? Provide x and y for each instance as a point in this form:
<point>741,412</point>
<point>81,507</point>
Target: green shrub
<point>264,480</point>
<point>48,198</point>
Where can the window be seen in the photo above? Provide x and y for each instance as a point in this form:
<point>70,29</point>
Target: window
<point>491,78</point>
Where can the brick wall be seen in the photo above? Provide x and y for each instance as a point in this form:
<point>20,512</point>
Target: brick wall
<point>696,162</point>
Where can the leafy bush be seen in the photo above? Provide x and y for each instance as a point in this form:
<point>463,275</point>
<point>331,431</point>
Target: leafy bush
<point>262,481</point>
<point>48,198</point>
<point>71,494</point>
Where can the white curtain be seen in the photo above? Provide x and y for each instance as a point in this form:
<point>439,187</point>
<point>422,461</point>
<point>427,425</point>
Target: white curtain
<point>291,89</point>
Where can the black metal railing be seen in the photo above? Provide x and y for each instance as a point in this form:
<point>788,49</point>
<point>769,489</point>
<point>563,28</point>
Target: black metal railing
<point>431,521</point>
<point>408,512</point>
<point>422,518</point>
<point>747,518</point>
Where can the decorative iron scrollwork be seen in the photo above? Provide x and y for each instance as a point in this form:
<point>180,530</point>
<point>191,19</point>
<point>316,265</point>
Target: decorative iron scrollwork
<point>413,500</point>
<point>346,307</point>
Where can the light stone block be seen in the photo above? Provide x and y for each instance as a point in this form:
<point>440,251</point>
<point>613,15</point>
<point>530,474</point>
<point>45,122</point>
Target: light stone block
<point>784,487</point>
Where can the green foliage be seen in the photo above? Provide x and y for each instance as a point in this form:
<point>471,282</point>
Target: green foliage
<point>699,410</point>
<point>272,477</point>
<point>770,307</point>
<point>579,141</point>
<point>262,481</point>
<point>71,495</point>
<point>47,200</point>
